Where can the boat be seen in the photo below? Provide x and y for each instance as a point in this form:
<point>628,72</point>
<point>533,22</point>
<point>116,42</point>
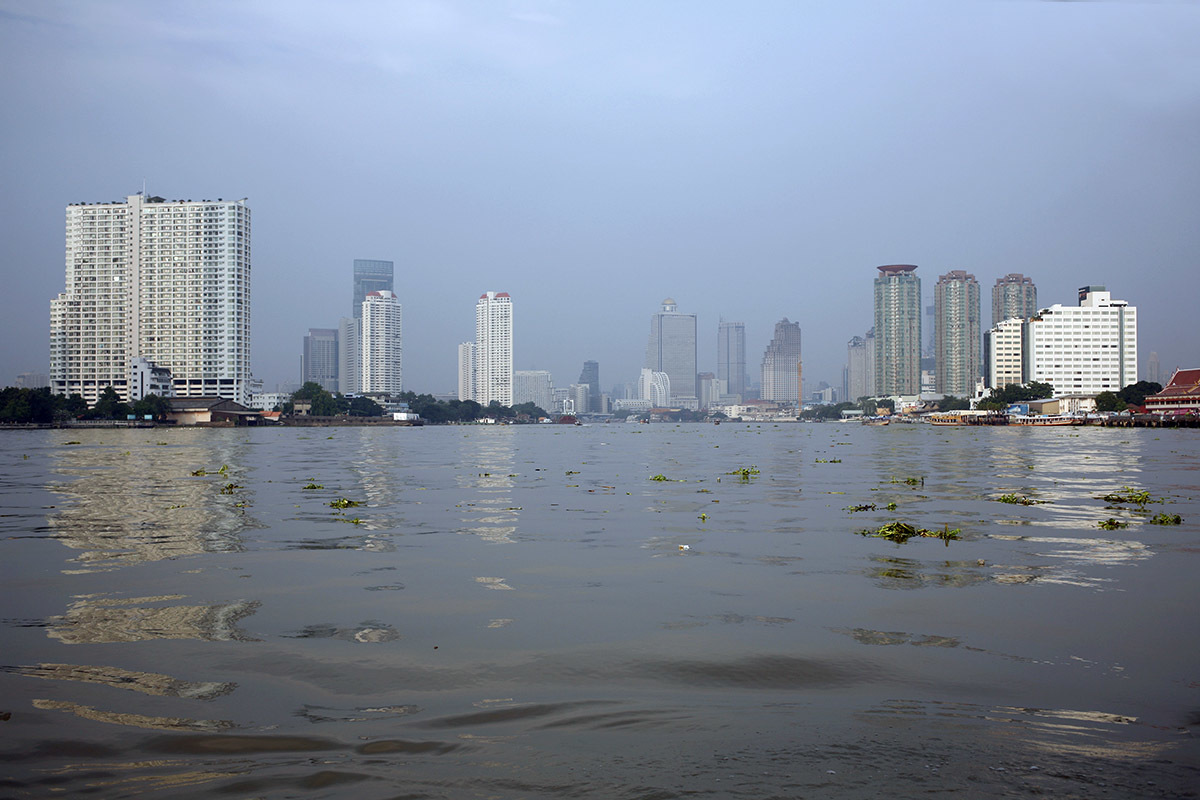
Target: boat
<point>965,417</point>
<point>876,420</point>
<point>1044,420</point>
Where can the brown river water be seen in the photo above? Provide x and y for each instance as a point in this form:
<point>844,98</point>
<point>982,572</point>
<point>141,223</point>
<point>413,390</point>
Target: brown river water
<point>526,612</point>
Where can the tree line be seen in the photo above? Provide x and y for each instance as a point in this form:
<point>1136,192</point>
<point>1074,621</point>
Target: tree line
<point>40,407</point>
<point>330,404</point>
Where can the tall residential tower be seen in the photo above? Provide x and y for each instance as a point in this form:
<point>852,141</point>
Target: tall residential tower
<point>168,282</point>
<point>494,349</point>
<point>1014,295</point>
<point>897,330</point>
<point>781,364</point>
<point>956,304</point>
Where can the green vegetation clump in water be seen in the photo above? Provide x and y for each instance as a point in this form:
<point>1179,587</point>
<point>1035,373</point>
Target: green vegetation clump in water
<point>659,477</point>
<point>200,473</point>
<point>1126,494</point>
<point>230,488</point>
<point>1166,519</point>
<point>1017,499</point>
<point>891,506</point>
<point>909,481</point>
<point>863,507</point>
<point>311,486</point>
<point>745,473</point>
<point>901,532</point>
<point>1111,524</point>
<point>827,461</point>
<point>344,502</point>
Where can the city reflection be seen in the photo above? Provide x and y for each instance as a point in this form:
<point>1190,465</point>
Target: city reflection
<point>92,620</point>
<point>151,502</point>
<point>151,683</point>
<point>486,467</point>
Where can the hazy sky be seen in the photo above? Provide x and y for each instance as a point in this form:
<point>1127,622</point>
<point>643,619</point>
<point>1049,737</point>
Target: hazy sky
<point>752,160</point>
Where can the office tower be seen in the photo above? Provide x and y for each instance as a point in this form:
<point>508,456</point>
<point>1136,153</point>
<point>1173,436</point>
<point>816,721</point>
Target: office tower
<point>781,364</point>
<point>578,392</point>
<point>591,376</point>
<point>493,349</point>
<point>1004,353</point>
<point>165,281</point>
<point>1014,295</point>
<point>381,344</point>
<point>672,349</point>
<point>370,275</point>
<point>897,330</point>
<point>1153,369</point>
<point>711,389</point>
<point>320,361</point>
<point>349,362</point>
<point>956,304</point>
<point>655,387</point>
<point>860,367</point>
<point>466,371</point>
<point>1084,349</point>
<point>731,357</point>
<point>533,386</point>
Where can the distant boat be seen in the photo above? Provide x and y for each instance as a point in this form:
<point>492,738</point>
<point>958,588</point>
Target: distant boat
<point>1044,420</point>
<point>965,417</point>
<point>876,420</point>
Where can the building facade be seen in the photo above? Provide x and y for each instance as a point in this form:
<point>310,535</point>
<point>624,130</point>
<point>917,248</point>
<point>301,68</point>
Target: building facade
<point>349,362</point>
<point>370,275</point>
<point>860,367</point>
<point>897,330</point>
<point>320,359</point>
<point>672,349</point>
<point>781,364</point>
<point>1084,349</point>
<point>165,281</point>
<point>655,387</point>
<point>533,386</point>
<point>381,344</point>
<point>1014,295</point>
<point>494,349</point>
<point>590,376</point>
<point>466,371</point>
<point>731,357</point>
<point>957,359</point>
<point>1004,354</point>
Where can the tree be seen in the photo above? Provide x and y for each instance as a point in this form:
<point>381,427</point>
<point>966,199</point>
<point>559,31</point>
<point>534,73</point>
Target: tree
<point>363,407</point>
<point>1109,401</point>
<point>530,409</point>
<point>1004,396</point>
<point>952,403</point>
<point>109,406</point>
<point>155,405</point>
<point>1135,394</point>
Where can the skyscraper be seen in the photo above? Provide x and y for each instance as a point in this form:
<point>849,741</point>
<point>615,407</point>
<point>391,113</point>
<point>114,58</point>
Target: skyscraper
<point>781,364</point>
<point>1014,295</point>
<point>370,275</point>
<point>165,281</point>
<point>956,304</point>
<point>381,344</point>
<point>731,357</point>
<point>466,371</point>
<point>320,360</point>
<point>672,349</point>
<point>897,330</point>
<point>591,376</point>
<point>655,387</point>
<point>860,367</point>
<point>349,364</point>
<point>533,386</point>
<point>493,349</point>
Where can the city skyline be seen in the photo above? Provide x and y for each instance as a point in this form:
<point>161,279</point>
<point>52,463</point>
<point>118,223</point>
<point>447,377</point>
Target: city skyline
<point>654,150</point>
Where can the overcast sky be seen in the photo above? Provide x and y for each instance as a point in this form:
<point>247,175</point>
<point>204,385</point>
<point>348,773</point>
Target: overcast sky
<point>752,160</point>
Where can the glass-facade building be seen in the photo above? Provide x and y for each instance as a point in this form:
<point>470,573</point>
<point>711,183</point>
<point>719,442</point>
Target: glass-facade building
<point>672,349</point>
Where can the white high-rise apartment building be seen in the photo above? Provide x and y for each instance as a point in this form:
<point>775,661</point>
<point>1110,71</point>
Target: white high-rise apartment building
<point>655,387</point>
<point>1004,347</point>
<point>1084,349</point>
<point>956,308</point>
<point>533,386</point>
<point>381,344</point>
<point>165,281</point>
<point>493,349</point>
<point>349,361</point>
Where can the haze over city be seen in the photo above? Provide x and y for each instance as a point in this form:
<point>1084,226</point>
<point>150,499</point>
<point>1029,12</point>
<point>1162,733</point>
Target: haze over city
<point>752,163</point>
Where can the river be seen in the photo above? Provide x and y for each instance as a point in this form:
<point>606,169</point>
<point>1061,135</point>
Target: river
<point>528,612</point>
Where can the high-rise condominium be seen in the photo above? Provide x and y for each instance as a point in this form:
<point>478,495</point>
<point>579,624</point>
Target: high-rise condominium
<point>897,330</point>
<point>860,367</point>
<point>320,361</point>
<point>731,357</point>
<point>381,344</point>
<point>533,386</point>
<point>781,364</point>
<point>590,376</point>
<point>494,349</point>
<point>672,349</point>
<point>164,281</point>
<point>1014,295</point>
<point>956,304</point>
<point>1084,349</point>
<point>370,275</point>
<point>466,371</point>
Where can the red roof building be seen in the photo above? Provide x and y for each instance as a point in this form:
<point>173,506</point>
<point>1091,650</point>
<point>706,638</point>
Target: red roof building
<point>1180,395</point>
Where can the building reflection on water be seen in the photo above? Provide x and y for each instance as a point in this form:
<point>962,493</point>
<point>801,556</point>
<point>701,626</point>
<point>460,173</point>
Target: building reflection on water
<point>486,460</point>
<point>123,507</point>
<point>138,619</point>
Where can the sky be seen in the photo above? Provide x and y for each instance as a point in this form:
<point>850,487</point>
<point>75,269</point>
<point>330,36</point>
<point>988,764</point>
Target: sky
<point>753,161</point>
